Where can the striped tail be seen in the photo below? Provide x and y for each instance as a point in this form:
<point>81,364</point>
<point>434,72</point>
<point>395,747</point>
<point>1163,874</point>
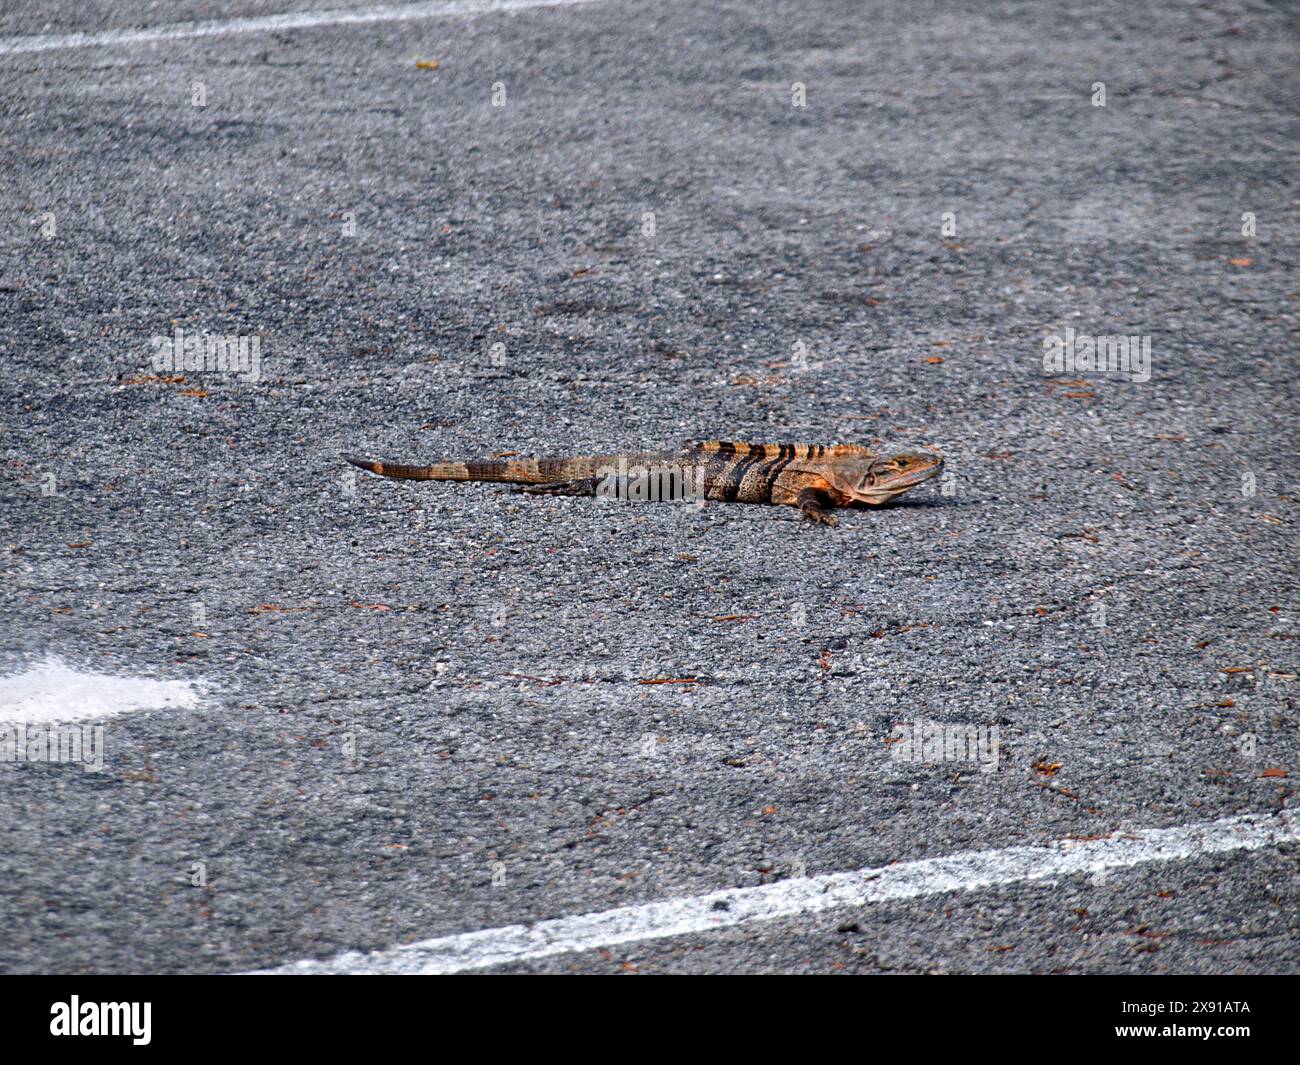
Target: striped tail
<point>508,471</point>
<point>511,472</point>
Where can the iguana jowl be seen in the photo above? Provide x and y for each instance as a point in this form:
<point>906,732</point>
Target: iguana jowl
<point>816,478</point>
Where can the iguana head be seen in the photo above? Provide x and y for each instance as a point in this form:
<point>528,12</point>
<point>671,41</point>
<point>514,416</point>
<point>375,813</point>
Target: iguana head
<point>879,479</point>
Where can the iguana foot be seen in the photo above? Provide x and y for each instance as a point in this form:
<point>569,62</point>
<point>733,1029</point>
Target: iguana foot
<point>814,506</point>
<point>819,517</point>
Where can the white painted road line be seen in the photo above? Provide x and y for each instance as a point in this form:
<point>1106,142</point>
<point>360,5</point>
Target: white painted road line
<point>52,691</point>
<point>793,898</point>
<point>295,20</point>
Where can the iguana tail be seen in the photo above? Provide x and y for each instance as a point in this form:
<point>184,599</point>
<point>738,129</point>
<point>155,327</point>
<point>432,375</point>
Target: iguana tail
<point>509,471</point>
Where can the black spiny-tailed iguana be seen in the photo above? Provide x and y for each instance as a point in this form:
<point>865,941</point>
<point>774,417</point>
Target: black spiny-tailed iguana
<point>816,478</point>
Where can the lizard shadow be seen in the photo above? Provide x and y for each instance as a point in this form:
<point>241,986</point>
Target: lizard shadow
<point>907,504</point>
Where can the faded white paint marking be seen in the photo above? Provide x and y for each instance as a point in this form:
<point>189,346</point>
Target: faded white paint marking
<point>969,871</point>
<point>295,20</point>
<point>52,691</point>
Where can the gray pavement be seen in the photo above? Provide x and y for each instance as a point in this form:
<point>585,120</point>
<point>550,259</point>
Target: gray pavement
<point>414,690</point>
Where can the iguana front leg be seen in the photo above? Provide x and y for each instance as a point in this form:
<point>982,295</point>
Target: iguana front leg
<point>816,505</point>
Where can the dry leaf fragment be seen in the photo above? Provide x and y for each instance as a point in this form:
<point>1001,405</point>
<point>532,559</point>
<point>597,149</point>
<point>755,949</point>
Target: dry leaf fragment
<point>146,776</point>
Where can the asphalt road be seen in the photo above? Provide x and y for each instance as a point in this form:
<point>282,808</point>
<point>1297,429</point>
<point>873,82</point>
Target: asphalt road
<point>426,708</point>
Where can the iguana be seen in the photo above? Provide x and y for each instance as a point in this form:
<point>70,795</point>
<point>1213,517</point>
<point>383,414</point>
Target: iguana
<point>816,478</point>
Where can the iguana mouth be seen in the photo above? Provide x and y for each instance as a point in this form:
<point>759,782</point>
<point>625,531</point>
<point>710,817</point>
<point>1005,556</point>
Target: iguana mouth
<point>911,478</point>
